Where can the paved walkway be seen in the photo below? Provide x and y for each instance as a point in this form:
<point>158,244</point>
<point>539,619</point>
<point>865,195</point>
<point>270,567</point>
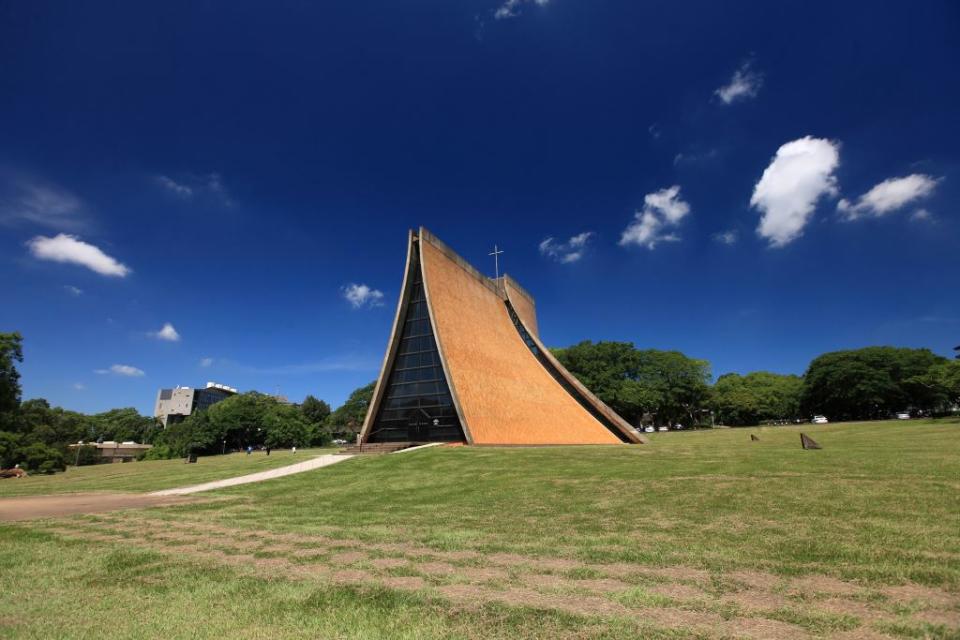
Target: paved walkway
<point>300,467</point>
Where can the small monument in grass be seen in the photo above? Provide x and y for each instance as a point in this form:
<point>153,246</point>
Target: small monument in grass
<point>808,443</point>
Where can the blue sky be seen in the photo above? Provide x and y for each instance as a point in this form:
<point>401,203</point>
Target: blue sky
<point>753,184</point>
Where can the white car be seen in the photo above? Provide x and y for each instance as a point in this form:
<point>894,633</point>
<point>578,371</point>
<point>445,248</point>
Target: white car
<point>903,415</point>
<point>663,428</point>
<point>649,428</point>
<point>819,420</point>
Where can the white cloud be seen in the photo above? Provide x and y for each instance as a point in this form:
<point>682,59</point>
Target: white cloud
<point>661,210</point>
<point>79,386</point>
<point>744,84</point>
<point>360,295</point>
<point>122,370</point>
<point>798,176</point>
<point>206,362</point>
<point>70,249</point>
<point>888,196</point>
<point>921,215</point>
<point>566,252</point>
<point>175,187</point>
<point>727,237</point>
<point>72,290</point>
<point>167,332</point>
<point>189,187</point>
<point>511,8</point>
<point>25,200</point>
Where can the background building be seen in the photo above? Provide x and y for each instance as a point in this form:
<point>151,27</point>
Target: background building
<point>111,451</point>
<point>173,405</point>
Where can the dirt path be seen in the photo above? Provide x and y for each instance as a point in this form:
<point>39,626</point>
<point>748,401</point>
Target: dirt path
<point>30,507</point>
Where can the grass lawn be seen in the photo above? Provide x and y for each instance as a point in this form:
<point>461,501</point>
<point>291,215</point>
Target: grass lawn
<point>698,535</point>
<point>152,475</point>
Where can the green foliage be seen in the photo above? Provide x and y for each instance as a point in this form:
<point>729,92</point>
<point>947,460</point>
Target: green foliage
<point>11,352</point>
<point>667,386</point>
<point>124,425</point>
<point>159,452</point>
<point>9,446</point>
<point>869,383</point>
<point>756,397</point>
<point>348,419</point>
<point>197,432</point>
<point>285,426</point>
<point>315,411</point>
<point>246,419</point>
<point>39,458</point>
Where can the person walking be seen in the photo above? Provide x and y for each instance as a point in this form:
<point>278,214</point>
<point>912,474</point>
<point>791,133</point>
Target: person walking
<point>294,449</point>
<point>268,450</point>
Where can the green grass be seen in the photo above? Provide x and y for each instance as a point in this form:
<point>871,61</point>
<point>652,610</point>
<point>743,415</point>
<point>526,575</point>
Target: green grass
<point>152,475</point>
<point>878,506</point>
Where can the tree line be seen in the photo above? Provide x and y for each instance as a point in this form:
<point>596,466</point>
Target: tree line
<point>648,386</point>
<point>645,386</point>
<point>37,436</point>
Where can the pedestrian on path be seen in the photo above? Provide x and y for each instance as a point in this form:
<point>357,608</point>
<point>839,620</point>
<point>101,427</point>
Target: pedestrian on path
<point>294,449</point>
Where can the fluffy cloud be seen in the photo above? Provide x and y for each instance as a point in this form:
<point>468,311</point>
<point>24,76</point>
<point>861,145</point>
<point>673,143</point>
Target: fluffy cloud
<point>727,237</point>
<point>744,84</point>
<point>888,196</point>
<point>566,252</point>
<point>79,386</point>
<point>25,200</point>
<point>122,370</point>
<point>167,332</point>
<point>206,362</point>
<point>70,249</point>
<point>72,290</point>
<point>360,295</point>
<point>511,8</point>
<point>798,176</point>
<point>661,211</point>
<point>921,215</point>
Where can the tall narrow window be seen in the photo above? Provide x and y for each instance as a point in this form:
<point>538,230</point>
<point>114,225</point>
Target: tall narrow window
<point>417,405</point>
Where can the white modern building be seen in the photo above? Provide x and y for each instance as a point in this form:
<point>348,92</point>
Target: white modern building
<point>173,405</point>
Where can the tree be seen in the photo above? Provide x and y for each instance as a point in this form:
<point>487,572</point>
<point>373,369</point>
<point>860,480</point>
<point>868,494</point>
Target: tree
<point>123,425</point>
<point>315,411</point>
<point>756,397</point>
<point>285,426</point>
<point>872,382</point>
<point>665,384</point>
<point>195,433</point>
<point>941,384</point>
<point>11,352</point>
<point>239,419</point>
<point>348,418</point>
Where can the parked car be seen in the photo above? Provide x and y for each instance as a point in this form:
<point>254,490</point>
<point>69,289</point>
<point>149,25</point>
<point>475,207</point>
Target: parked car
<point>339,441</point>
<point>903,415</point>
<point>819,420</point>
<point>663,428</point>
<point>649,428</point>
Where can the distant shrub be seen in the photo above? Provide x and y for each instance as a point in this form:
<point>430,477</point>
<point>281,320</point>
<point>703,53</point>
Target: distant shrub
<point>39,458</point>
<point>158,452</point>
